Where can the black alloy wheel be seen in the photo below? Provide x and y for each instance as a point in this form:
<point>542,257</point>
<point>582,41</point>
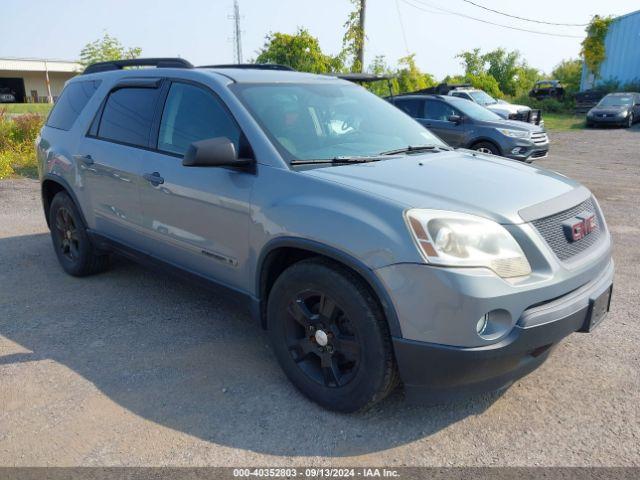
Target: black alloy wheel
<point>321,339</point>
<point>67,234</point>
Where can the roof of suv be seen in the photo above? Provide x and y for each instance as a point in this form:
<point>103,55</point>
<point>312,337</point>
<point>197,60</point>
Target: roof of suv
<point>241,73</point>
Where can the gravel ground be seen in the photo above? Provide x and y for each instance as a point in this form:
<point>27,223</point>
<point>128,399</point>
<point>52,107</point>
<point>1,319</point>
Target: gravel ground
<point>133,367</point>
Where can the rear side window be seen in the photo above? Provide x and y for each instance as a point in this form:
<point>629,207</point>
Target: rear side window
<point>412,107</point>
<point>461,95</point>
<point>191,114</point>
<point>128,115</point>
<point>71,103</point>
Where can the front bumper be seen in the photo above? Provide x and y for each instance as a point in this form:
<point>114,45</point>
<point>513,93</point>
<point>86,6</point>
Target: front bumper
<point>607,120</point>
<point>527,151</point>
<point>433,372</point>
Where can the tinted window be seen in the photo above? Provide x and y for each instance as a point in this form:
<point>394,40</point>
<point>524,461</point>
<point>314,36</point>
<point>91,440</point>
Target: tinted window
<point>127,116</point>
<point>412,107</point>
<point>73,99</point>
<point>461,95</point>
<point>190,114</point>
<point>439,110</point>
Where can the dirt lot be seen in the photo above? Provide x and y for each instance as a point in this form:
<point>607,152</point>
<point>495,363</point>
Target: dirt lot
<point>135,368</point>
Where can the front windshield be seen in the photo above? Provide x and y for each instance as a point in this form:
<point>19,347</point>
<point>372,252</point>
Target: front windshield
<point>482,98</point>
<point>322,122</point>
<point>615,101</point>
<point>474,111</point>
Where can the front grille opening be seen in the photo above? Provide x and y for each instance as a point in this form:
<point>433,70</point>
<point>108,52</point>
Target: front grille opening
<point>552,231</point>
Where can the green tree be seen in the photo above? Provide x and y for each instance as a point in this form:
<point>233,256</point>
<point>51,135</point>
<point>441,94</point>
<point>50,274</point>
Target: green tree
<point>379,66</point>
<point>569,72</point>
<point>501,72</point>
<point>353,39</point>
<point>105,49</point>
<point>409,76</point>
<point>504,67</point>
<point>472,62</point>
<point>300,51</point>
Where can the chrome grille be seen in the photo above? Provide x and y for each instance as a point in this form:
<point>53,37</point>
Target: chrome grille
<point>539,138</point>
<point>553,232</point>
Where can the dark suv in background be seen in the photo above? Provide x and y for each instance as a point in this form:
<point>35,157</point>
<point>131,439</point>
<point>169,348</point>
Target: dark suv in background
<point>464,124</point>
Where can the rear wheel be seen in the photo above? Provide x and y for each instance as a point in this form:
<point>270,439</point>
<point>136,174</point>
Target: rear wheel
<point>330,336</point>
<point>486,147</point>
<point>76,254</point>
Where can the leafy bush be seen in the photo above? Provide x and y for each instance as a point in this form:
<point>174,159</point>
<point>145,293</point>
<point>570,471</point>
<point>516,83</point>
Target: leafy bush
<point>17,139</point>
<point>548,105</point>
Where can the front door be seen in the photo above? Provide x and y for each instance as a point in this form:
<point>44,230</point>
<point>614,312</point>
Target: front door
<point>196,217</point>
<point>436,119</point>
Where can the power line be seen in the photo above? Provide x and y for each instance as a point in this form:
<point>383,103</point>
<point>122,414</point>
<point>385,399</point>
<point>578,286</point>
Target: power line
<point>537,32</point>
<point>525,19</point>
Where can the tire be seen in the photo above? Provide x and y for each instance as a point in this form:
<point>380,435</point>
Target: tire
<point>74,250</point>
<point>486,147</point>
<point>330,336</point>
<point>630,121</point>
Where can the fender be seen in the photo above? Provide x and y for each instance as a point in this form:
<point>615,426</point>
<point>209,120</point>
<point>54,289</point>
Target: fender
<point>339,256</point>
<point>65,185</point>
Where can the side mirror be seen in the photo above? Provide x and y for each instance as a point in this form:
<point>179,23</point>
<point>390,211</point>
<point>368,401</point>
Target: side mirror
<point>213,152</point>
<point>457,119</point>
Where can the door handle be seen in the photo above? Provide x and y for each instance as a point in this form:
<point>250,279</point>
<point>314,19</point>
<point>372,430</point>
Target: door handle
<point>86,159</point>
<point>153,178</point>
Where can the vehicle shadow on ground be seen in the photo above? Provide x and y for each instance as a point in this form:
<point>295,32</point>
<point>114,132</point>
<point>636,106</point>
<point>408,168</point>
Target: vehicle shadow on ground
<point>187,359</point>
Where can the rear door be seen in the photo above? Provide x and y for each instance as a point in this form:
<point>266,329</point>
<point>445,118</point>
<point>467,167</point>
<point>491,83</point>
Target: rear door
<point>196,217</point>
<point>436,119</point>
<point>110,158</point>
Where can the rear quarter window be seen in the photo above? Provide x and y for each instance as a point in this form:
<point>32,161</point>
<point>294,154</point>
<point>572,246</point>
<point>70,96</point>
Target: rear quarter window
<point>71,103</point>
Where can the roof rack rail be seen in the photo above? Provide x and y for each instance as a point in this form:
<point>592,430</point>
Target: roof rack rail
<point>250,66</point>
<point>137,62</point>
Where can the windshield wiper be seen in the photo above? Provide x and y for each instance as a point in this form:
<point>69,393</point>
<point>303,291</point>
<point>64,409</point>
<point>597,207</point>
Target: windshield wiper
<point>415,148</point>
<point>340,159</point>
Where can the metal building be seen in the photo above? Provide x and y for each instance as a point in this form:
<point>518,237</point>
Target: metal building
<point>35,80</point>
<point>622,50</point>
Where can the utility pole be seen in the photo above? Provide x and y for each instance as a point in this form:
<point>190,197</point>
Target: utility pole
<point>363,6</point>
<point>237,33</point>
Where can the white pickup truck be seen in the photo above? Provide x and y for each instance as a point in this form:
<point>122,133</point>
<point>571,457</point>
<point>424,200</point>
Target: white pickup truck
<point>506,110</point>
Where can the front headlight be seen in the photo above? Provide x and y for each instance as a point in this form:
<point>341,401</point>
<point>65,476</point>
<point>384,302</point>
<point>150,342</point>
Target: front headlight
<point>514,133</point>
<point>623,113</point>
<point>460,240</point>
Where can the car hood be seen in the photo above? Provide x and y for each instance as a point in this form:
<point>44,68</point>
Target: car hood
<point>513,124</point>
<point>508,108</point>
<point>461,180</point>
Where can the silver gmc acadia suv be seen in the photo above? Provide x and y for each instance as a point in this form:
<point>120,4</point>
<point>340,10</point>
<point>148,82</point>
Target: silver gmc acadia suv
<point>372,252</point>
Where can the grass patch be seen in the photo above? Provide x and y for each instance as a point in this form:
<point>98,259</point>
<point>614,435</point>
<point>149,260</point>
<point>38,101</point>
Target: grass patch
<point>560,122</point>
<point>17,139</point>
<point>40,108</point>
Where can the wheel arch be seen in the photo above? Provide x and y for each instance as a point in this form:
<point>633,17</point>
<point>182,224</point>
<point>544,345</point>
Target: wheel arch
<point>281,253</point>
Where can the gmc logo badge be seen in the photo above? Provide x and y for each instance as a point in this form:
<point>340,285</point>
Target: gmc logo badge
<point>580,226</point>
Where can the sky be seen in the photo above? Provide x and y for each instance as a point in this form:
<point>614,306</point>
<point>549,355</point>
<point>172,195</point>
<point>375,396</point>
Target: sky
<point>201,31</point>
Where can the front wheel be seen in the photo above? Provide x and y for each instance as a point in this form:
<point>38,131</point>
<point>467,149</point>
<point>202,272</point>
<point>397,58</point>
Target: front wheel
<point>330,336</point>
<point>486,147</point>
<point>629,121</point>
